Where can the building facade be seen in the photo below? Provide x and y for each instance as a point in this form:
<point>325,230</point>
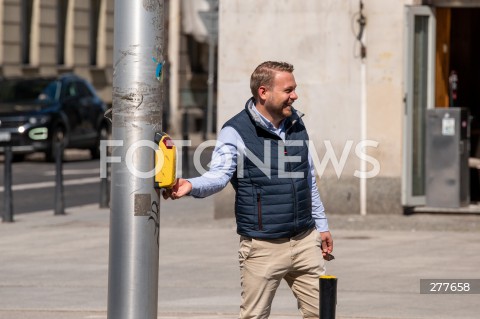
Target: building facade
<point>367,71</point>
<point>48,37</point>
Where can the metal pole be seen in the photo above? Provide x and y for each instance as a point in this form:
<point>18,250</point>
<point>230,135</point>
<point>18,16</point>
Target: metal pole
<point>105,190</point>
<point>328,296</point>
<point>210,82</point>
<point>137,115</point>
<point>185,153</point>
<point>59,198</point>
<point>210,19</point>
<point>362,37</point>
<point>7,195</point>
<point>105,185</point>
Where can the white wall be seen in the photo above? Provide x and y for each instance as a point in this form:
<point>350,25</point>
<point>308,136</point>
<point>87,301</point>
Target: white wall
<point>317,37</point>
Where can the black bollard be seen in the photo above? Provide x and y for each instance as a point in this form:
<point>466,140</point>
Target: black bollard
<point>105,190</point>
<point>185,157</point>
<point>328,297</point>
<point>59,198</point>
<point>7,195</point>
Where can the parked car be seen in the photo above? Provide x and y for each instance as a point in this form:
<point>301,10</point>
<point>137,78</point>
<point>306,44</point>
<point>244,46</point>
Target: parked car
<point>37,112</point>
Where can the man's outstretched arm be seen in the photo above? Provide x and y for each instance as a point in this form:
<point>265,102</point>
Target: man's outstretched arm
<point>222,168</point>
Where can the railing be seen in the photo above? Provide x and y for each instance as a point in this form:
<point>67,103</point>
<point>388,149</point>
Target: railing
<point>59,198</point>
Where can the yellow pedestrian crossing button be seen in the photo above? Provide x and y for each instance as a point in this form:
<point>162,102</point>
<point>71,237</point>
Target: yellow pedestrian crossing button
<point>165,161</point>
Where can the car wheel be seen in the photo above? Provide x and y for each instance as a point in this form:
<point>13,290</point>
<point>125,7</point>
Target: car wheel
<point>58,135</point>
<point>103,134</point>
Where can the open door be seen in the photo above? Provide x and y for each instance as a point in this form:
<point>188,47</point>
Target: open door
<point>419,86</point>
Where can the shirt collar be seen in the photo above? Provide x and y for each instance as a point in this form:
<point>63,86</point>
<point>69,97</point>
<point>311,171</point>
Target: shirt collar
<point>264,121</point>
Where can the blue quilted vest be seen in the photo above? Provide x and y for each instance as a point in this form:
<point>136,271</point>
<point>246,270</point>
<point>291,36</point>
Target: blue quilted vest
<point>278,205</point>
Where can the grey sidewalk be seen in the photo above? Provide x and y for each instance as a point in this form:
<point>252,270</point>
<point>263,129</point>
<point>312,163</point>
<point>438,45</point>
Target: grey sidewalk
<point>55,267</point>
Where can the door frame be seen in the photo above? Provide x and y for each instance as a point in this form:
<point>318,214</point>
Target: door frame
<point>408,198</point>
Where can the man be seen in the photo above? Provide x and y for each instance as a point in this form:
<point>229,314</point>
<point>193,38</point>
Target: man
<point>263,152</point>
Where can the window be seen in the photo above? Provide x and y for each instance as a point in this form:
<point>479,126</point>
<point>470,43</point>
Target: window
<point>26,29</point>
<point>16,90</point>
<point>83,90</point>
<point>419,96</point>
<point>62,9</point>
<point>94,23</point>
<point>71,90</point>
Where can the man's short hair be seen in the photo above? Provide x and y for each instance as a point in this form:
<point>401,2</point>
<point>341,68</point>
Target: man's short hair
<point>264,74</point>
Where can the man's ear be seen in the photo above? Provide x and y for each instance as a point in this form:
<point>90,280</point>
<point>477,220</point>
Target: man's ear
<point>262,92</point>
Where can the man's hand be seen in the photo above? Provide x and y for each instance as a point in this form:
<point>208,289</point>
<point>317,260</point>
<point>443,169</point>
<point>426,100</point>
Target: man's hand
<point>327,243</point>
<point>181,188</point>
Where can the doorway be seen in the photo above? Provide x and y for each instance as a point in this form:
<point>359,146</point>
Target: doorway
<point>457,56</point>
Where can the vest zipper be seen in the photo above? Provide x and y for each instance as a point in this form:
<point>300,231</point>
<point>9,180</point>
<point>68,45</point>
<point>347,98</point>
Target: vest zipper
<point>294,191</point>
<point>259,208</point>
<point>295,209</point>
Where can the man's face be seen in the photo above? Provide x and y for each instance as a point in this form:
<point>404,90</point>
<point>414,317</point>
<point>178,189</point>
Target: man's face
<point>281,96</point>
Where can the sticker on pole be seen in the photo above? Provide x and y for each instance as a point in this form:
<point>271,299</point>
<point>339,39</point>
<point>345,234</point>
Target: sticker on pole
<point>448,126</point>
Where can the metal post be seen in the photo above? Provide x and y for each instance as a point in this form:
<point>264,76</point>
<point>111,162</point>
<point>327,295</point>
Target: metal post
<point>210,19</point>
<point>185,153</point>
<point>210,82</point>
<point>137,101</point>
<point>59,198</point>
<point>7,195</point>
<point>105,190</point>
<point>328,296</point>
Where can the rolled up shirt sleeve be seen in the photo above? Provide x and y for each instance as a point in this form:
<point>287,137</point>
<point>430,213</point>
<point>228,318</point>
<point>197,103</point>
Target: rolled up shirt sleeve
<point>318,211</point>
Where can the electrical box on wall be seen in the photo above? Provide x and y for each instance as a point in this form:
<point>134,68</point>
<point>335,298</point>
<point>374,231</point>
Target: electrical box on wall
<point>447,153</point>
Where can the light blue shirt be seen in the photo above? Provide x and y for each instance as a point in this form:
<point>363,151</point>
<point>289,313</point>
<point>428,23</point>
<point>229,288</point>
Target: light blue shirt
<point>224,164</point>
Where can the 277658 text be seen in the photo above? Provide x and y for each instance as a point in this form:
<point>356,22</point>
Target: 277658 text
<point>450,286</point>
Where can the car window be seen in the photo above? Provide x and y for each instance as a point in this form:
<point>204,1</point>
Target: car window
<point>71,90</point>
<point>49,93</point>
<point>83,90</point>
<point>22,90</point>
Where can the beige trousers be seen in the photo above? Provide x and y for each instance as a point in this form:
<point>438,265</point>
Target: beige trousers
<point>264,263</point>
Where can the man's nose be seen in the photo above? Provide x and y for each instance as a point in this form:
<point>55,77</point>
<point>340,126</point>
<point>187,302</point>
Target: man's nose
<point>294,95</point>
